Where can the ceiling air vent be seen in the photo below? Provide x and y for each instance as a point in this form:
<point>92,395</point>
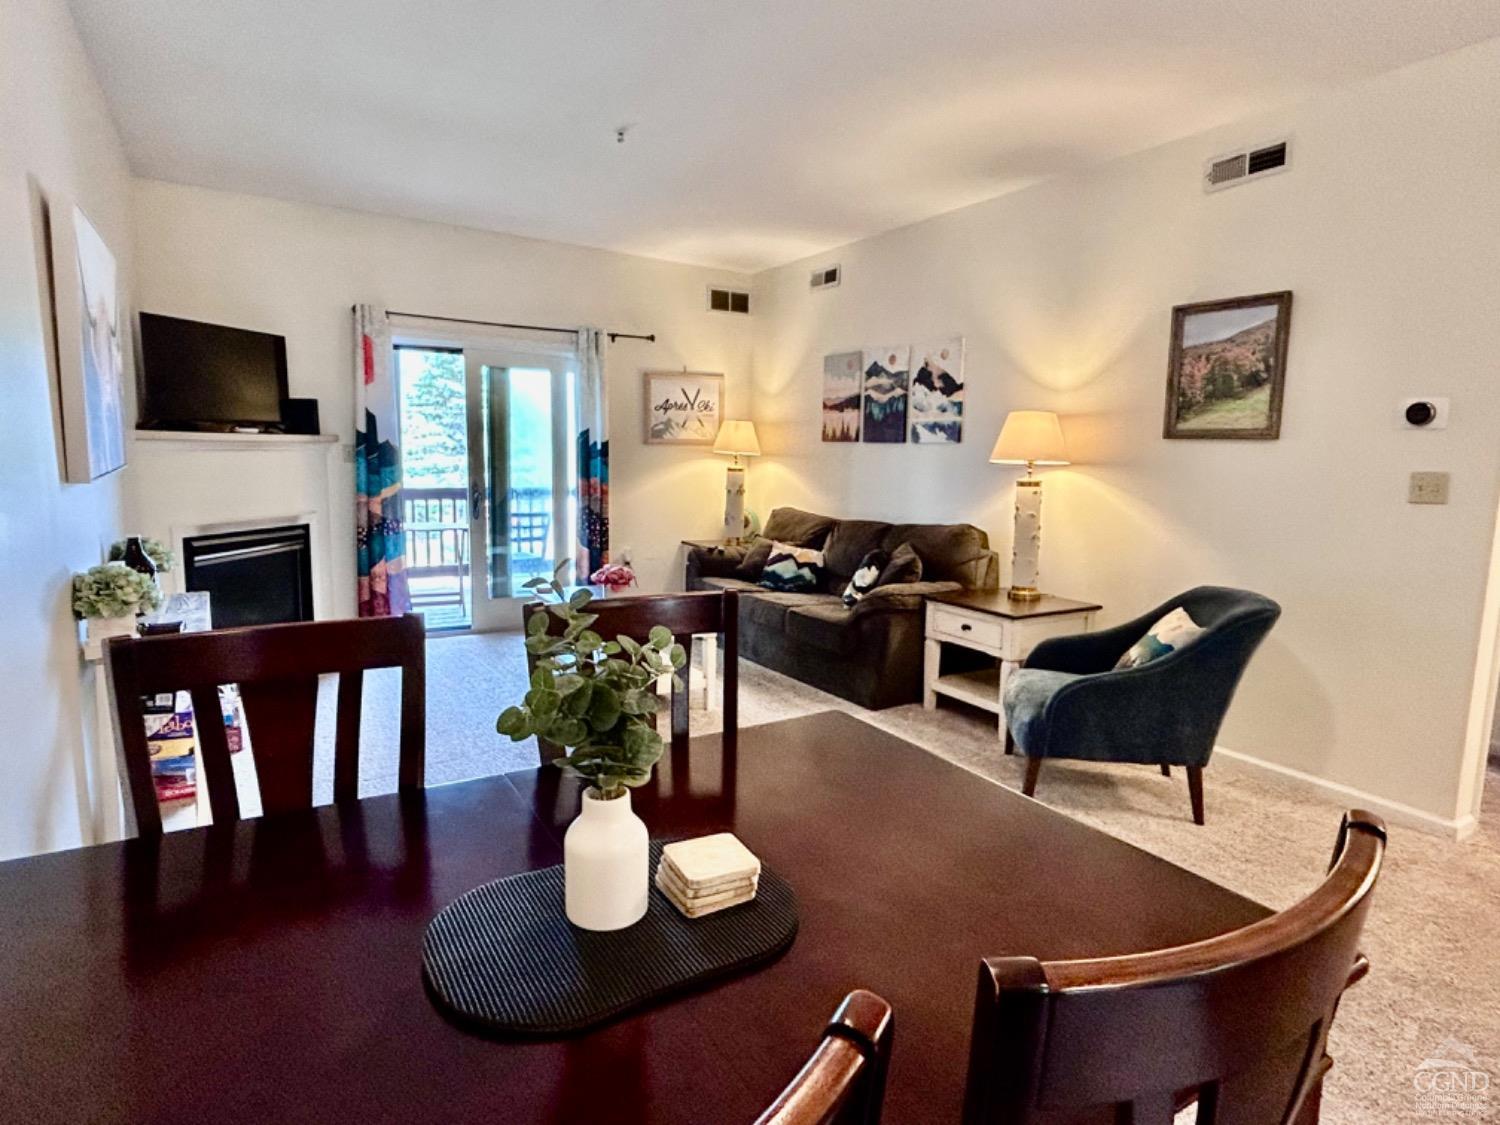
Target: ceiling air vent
<point>1236,167</point>
<point>728,300</point>
<point>825,278</point>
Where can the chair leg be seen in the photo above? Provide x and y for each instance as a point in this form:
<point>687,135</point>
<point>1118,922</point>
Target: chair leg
<point>1010,739</point>
<point>1195,792</point>
<point>1166,770</point>
<point>1033,768</point>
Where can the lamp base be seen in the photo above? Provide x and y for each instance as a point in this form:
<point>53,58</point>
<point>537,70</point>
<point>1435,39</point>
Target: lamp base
<point>1024,594</point>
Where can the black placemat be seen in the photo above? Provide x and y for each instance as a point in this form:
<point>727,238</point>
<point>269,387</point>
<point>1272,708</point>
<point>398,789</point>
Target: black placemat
<point>504,958</point>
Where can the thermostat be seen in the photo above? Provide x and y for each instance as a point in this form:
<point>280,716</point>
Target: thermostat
<point>1424,413</point>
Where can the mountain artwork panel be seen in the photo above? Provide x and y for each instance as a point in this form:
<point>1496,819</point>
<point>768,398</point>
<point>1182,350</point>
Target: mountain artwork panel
<point>936,400</point>
<point>886,375</point>
<point>841,396</point>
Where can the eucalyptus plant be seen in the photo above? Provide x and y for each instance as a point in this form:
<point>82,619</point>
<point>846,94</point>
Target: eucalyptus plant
<point>594,696</point>
<point>113,590</point>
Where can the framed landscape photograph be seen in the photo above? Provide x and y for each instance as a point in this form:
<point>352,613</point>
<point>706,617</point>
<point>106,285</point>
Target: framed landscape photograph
<point>1228,368</point>
<point>683,407</point>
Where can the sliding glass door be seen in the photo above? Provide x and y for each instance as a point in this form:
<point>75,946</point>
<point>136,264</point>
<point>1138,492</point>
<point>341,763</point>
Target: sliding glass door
<point>490,484</point>
<point>523,484</point>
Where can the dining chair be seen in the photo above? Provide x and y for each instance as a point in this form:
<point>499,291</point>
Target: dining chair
<point>277,669</point>
<point>1239,1022</point>
<point>843,1082</point>
<point>708,611</point>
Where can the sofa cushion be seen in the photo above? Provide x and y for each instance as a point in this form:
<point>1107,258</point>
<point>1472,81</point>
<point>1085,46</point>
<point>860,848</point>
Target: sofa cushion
<point>827,625</point>
<point>849,541</point>
<point>766,609</point>
<point>1169,634</point>
<point>866,576</point>
<point>791,525</point>
<point>950,552</point>
<point>710,583</point>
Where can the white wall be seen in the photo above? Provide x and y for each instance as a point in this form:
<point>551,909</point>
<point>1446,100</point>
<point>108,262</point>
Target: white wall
<point>57,143</point>
<point>294,270</point>
<point>1387,229</point>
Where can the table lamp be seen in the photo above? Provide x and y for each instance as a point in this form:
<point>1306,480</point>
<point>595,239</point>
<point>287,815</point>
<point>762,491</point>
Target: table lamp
<point>1030,438</point>
<point>737,439</point>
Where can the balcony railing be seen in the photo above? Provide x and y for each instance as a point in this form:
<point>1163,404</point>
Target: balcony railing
<point>437,531</point>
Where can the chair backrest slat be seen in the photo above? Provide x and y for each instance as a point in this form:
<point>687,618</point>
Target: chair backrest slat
<point>277,669</point>
<point>346,736</point>
<point>843,1082</point>
<point>213,754</point>
<point>684,615</point>
<point>1241,1020</point>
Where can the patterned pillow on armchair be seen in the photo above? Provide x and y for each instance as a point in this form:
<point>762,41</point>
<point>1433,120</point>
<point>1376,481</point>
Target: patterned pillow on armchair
<point>792,569</point>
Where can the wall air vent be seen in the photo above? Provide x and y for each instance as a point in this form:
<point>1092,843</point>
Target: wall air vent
<point>729,301</point>
<point>825,278</point>
<point>1235,168</point>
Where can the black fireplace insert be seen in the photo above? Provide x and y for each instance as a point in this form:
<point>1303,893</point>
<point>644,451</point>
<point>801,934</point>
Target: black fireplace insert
<point>258,577</point>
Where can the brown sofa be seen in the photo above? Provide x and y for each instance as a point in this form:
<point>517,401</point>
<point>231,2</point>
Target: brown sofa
<point>870,654</point>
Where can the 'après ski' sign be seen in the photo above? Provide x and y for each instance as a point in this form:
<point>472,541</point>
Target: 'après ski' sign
<point>683,407</point>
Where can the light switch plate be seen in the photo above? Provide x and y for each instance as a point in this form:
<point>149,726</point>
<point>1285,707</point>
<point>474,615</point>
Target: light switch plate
<point>1428,488</point>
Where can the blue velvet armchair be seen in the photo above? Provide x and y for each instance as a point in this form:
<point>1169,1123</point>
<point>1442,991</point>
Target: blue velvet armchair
<point>1068,701</point>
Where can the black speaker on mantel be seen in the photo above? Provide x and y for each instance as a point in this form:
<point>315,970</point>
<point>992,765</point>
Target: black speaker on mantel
<point>300,415</point>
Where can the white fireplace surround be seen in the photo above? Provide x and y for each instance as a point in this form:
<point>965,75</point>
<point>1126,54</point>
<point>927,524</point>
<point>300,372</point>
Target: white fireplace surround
<point>184,489</point>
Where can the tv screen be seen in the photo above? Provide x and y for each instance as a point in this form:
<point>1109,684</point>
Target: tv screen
<point>206,374</point>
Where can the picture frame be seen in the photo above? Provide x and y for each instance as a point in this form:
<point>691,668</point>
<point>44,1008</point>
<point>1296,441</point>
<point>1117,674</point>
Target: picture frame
<point>682,407</point>
<point>1226,374</point>
<point>88,318</point>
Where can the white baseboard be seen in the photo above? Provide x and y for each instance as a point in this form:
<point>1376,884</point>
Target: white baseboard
<point>1459,828</point>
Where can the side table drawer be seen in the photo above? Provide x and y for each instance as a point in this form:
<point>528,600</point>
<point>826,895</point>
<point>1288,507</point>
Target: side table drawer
<point>970,627</point>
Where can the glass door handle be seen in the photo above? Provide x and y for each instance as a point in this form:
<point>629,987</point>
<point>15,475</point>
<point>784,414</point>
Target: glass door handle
<point>476,497</point>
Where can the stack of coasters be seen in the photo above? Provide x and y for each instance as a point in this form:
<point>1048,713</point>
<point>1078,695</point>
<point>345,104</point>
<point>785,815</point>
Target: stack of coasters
<point>708,874</point>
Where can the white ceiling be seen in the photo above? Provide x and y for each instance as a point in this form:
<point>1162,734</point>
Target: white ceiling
<point>763,131</point>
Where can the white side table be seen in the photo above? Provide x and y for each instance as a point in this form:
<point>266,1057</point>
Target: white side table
<point>989,622</point>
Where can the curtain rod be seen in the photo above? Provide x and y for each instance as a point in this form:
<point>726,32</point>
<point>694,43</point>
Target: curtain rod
<point>613,336</point>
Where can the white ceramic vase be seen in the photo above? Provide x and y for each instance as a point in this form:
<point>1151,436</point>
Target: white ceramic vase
<point>606,865</point>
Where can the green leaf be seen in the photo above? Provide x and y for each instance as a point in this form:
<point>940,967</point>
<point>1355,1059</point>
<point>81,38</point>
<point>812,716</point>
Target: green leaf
<point>589,641</point>
<point>580,599</point>
<point>514,723</point>
<point>536,624</point>
<point>604,709</point>
<point>568,683</point>
<point>570,732</point>
<point>611,648</point>
<point>543,704</point>
<point>560,611</point>
<point>534,583</point>
<point>577,702</point>
<point>630,645</point>
<point>542,645</point>
<point>542,679</point>
<point>677,656</point>
<point>660,636</point>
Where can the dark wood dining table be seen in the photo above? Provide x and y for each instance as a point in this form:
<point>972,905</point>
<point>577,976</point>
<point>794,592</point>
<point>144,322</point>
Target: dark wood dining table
<point>271,970</point>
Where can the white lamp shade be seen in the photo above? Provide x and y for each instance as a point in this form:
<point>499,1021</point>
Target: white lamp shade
<point>1030,437</point>
<point>737,437</point>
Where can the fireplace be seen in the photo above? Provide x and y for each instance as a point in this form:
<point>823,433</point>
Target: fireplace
<point>260,576</point>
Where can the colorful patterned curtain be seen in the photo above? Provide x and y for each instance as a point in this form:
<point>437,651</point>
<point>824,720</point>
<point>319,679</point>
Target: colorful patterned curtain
<point>593,455</point>
<point>380,545</point>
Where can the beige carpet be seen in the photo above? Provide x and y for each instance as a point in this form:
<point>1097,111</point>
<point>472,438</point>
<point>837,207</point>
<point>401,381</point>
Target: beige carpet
<point>1434,933</point>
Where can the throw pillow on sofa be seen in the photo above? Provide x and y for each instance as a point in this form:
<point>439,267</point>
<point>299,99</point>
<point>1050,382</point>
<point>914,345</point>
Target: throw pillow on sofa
<point>792,569</point>
<point>754,560</point>
<point>904,565</point>
<point>1169,634</point>
<point>866,576</point>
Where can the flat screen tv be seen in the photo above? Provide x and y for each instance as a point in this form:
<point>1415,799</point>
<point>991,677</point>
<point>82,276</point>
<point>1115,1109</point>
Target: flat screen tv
<point>208,376</point>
